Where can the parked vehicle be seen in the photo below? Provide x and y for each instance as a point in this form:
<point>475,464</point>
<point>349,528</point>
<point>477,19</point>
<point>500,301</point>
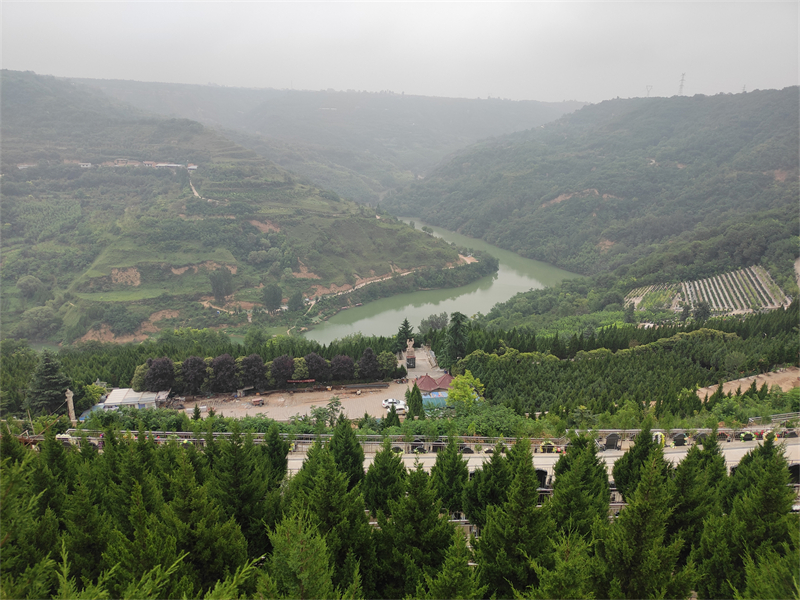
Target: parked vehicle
<point>399,405</point>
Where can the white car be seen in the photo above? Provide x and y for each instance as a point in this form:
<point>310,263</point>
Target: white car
<point>399,405</point>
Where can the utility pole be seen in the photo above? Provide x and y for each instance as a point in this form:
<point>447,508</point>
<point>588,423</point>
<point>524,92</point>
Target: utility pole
<point>680,89</point>
<point>648,88</point>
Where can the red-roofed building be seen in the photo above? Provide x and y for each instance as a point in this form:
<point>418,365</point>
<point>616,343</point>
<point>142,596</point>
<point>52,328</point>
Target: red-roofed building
<point>426,383</point>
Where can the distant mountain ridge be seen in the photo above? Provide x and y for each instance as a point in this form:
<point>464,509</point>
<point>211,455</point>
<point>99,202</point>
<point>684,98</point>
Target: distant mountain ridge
<point>356,143</point>
<point>606,185</point>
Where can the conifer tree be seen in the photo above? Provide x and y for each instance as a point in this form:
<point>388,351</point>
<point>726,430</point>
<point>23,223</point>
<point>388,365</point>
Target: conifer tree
<point>571,574</point>
<point>580,491</point>
<point>46,394</point>
<point>414,541</point>
<point>457,579</point>
<point>300,563</point>
<point>488,486</point>
<point>340,516</point>
<point>405,333</point>
<point>276,452</point>
<point>215,546</point>
<point>385,479</point>
<point>628,468</point>
<point>516,532</point>
<point>414,403</point>
<point>392,419</point>
<point>240,484</point>
<point>347,452</point>
<point>449,476</point>
<point>637,559</point>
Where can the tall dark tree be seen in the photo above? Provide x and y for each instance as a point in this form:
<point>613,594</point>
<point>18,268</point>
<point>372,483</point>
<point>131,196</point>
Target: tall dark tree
<point>406,332</point>
<point>414,542</point>
<point>296,301</point>
<point>224,368</point>
<point>516,533</point>
<point>193,374</point>
<point>48,387</point>
<point>414,403</point>
<point>160,375</point>
<point>580,491</point>
<point>488,486</point>
<point>634,555</point>
<point>392,418</point>
<point>385,479</point>
<point>449,476</point>
<point>457,579</point>
<point>368,367</point>
<point>318,367</point>
<point>456,340</point>
<point>342,368</point>
<point>221,284</point>
<point>702,311</point>
<point>282,369</point>
<point>347,452</point>
<point>272,296</point>
<point>252,371</point>
<point>628,468</point>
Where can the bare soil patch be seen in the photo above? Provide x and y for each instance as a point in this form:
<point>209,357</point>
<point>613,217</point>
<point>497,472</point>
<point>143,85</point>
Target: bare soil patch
<point>305,273</point>
<point>209,265</point>
<point>129,276</point>
<point>604,245</point>
<point>786,379</point>
<point>264,226</point>
<point>467,259</point>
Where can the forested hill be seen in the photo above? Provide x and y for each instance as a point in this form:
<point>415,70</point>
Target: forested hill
<point>615,182</point>
<point>358,144</point>
<point>94,240</point>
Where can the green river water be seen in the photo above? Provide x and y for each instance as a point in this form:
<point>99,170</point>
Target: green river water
<point>383,317</point>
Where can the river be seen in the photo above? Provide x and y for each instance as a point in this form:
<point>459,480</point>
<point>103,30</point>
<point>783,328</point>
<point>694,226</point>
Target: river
<point>383,317</point>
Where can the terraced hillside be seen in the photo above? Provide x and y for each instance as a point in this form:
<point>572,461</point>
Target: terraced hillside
<point>736,292</point>
<point>108,232</point>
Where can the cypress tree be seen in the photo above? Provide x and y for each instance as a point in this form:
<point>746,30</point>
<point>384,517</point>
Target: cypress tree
<point>516,532</point>
<point>392,419</point>
<point>46,394</point>
<point>414,541</point>
<point>449,476</point>
<point>628,468</point>
<point>488,486</point>
<point>580,491</point>
<point>347,452</point>
<point>637,559</point>
<point>457,579</point>
<point>385,479</point>
<point>414,402</point>
<point>571,574</point>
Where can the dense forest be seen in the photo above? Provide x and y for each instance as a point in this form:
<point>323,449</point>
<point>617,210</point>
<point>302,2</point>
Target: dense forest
<point>155,519</point>
<point>668,185</point>
<point>114,248</point>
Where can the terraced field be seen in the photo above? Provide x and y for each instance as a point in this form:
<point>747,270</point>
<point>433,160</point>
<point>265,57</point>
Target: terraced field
<point>736,292</point>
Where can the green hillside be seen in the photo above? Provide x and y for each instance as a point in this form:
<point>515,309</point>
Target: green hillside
<point>356,143</point>
<point>616,182</point>
<point>120,248</point>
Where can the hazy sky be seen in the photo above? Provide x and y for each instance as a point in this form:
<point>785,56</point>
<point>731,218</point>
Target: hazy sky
<point>551,51</point>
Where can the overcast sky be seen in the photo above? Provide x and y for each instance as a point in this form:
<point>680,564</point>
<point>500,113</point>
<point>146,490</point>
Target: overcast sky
<point>550,51</point>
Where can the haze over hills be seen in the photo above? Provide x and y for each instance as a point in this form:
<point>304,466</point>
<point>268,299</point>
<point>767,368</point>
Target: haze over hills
<point>613,182</point>
<point>356,143</point>
<point>110,243</point>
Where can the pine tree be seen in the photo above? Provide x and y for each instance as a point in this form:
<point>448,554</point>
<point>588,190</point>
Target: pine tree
<point>414,541</point>
<point>414,403</point>
<point>449,475</point>
<point>46,394</point>
<point>392,419</point>
<point>580,491</point>
<point>405,333</point>
<point>488,486</point>
<point>300,563</point>
<point>385,479</point>
<point>240,483</point>
<point>571,574</point>
<point>339,516</point>
<point>276,451</point>
<point>637,559</point>
<point>628,468</point>
<point>456,579</point>
<point>347,452</point>
<point>516,532</point>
